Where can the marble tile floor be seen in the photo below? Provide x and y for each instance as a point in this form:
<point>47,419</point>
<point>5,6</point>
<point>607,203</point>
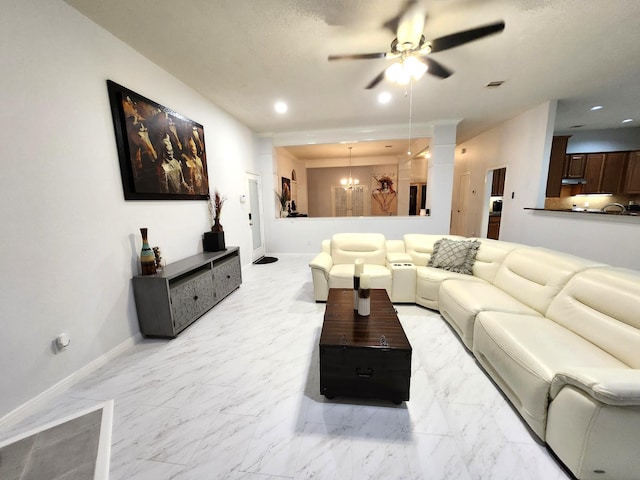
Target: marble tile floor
<point>236,396</point>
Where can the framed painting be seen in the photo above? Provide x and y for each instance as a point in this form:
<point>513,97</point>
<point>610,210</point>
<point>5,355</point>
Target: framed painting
<point>286,188</point>
<point>162,153</point>
<point>384,197</point>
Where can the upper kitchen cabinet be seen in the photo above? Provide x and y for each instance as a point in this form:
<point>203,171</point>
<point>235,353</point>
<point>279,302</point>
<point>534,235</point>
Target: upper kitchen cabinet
<point>574,166</point>
<point>632,184</point>
<point>497,185</point>
<point>604,172</point>
<point>556,164</point>
<point>593,172</point>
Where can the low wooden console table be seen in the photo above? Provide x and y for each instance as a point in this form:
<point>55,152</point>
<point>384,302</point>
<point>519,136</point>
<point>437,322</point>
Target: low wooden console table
<point>171,300</point>
<point>363,356</point>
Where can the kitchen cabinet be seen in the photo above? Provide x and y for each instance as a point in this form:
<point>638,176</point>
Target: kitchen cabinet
<point>604,172</point>
<point>556,165</point>
<point>493,231</point>
<point>497,185</point>
<point>632,183</point>
<point>613,172</point>
<point>593,172</point>
<point>574,166</point>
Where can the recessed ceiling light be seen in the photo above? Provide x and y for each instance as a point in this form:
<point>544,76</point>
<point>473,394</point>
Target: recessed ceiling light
<point>384,97</point>
<point>627,120</point>
<point>281,107</point>
<point>495,84</point>
<point>597,107</point>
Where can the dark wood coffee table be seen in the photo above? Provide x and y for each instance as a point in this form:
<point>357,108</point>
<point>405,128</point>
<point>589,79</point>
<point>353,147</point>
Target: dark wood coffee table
<point>363,356</point>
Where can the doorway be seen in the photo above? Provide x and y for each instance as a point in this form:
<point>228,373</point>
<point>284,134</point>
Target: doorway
<point>417,198</point>
<point>255,216</point>
<point>495,186</point>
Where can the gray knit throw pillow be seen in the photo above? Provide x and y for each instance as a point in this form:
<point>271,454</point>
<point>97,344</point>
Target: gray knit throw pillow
<point>454,255</point>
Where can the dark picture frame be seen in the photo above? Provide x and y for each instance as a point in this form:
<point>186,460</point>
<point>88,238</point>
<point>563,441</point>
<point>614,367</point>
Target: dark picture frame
<point>162,153</point>
<point>286,188</point>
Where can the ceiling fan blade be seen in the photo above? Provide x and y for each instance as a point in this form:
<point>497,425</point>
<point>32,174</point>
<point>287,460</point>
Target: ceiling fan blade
<point>466,36</point>
<point>436,68</point>
<point>393,23</point>
<point>357,56</point>
<point>375,81</point>
<point>411,24</point>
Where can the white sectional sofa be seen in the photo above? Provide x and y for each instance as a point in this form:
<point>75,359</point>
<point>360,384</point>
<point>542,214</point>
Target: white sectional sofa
<point>558,334</point>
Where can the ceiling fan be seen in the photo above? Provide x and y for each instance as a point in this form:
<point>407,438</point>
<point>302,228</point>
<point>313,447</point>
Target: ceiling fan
<point>412,50</point>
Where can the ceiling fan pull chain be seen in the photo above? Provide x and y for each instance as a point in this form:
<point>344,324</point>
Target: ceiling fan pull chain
<point>410,113</point>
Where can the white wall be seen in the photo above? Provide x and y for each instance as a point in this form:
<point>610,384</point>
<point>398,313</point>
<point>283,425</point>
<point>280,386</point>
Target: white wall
<point>522,144</point>
<point>605,140</point>
<point>69,241</point>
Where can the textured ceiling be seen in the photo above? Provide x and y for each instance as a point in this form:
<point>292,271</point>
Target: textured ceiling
<point>246,54</point>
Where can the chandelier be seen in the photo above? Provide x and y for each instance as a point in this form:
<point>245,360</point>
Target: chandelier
<point>350,183</point>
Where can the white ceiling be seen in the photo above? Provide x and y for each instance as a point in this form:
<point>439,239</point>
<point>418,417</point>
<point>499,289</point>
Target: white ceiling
<point>246,54</point>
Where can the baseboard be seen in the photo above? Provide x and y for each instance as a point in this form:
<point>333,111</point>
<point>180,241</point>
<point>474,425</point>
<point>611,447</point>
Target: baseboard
<point>24,409</point>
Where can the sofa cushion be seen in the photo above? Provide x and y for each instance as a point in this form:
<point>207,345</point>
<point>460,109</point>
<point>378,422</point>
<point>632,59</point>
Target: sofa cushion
<point>534,276</point>
<point>341,276</point>
<point>346,247</point>
<point>454,255</point>
<point>601,305</point>
<point>420,246</point>
<point>490,256</point>
<point>428,284</point>
<point>523,353</point>
<point>460,301</point>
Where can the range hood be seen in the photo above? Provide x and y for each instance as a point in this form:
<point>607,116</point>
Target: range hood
<point>573,181</point>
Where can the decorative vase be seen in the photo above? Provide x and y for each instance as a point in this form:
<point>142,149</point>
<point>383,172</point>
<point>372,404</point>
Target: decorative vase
<point>364,302</point>
<point>217,227</point>
<point>147,257</point>
<point>358,269</point>
<point>364,296</point>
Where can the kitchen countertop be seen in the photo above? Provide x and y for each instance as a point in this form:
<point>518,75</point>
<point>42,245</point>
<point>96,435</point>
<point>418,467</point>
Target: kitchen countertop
<point>586,211</point>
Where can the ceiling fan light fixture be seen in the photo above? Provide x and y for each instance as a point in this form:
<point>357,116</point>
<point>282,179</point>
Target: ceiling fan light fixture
<point>415,67</point>
<point>396,74</point>
<point>402,72</point>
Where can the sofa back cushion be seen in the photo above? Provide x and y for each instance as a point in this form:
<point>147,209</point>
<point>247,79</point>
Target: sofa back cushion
<point>534,276</point>
<point>602,305</point>
<point>420,246</point>
<point>346,247</point>
<point>490,256</point>
<point>488,259</point>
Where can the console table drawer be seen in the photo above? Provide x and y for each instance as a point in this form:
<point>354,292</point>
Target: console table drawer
<point>226,277</point>
<point>191,298</point>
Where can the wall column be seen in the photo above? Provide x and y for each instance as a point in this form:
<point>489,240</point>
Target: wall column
<point>440,174</point>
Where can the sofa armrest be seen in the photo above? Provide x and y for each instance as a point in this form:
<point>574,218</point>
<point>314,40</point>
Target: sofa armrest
<point>611,386</point>
<point>323,262</point>
<point>397,257</point>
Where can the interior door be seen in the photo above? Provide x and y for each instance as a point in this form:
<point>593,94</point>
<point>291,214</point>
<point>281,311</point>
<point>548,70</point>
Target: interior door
<point>255,215</point>
<point>462,208</point>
